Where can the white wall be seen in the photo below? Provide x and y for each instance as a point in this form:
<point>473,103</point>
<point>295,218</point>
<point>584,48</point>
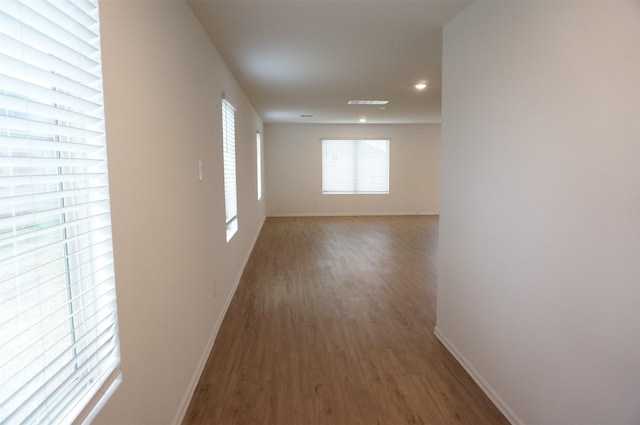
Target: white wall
<point>163,81</point>
<point>539,263</point>
<point>293,170</point>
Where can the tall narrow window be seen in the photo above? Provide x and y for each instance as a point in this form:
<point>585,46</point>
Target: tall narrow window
<point>59,350</point>
<point>259,163</point>
<point>229,158</point>
<point>355,166</point>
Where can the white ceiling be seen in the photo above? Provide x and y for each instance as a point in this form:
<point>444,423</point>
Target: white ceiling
<point>299,57</point>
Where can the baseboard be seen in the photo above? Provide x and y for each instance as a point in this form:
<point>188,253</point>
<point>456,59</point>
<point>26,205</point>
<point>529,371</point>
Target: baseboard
<point>191,389</point>
<point>484,386</point>
<point>351,214</point>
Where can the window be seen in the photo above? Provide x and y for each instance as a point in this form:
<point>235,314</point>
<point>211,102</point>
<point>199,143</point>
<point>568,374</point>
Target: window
<point>259,163</point>
<point>229,158</point>
<point>355,166</point>
<point>59,355</point>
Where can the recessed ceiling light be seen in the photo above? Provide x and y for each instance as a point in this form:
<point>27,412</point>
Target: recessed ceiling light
<point>367,102</point>
<point>363,120</point>
<point>421,85</point>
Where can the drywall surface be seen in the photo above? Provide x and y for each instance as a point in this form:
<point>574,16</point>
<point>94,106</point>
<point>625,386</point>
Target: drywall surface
<point>293,170</point>
<point>539,262</point>
<point>174,271</point>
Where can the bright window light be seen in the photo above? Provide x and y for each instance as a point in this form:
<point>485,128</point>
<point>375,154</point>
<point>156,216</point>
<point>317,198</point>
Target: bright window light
<point>59,349</point>
<point>355,166</point>
<point>229,159</point>
<point>259,163</point>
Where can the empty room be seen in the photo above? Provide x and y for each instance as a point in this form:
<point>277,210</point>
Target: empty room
<point>320,212</point>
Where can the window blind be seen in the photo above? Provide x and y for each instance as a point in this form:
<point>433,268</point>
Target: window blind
<point>259,163</point>
<point>355,166</point>
<point>59,356</point>
<point>229,159</point>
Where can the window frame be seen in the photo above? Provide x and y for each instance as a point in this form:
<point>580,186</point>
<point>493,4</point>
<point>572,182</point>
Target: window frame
<point>259,165</point>
<point>359,176</point>
<point>230,167</point>
<point>58,314</point>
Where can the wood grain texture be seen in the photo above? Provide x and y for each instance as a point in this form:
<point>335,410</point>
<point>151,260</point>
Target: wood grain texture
<point>332,323</point>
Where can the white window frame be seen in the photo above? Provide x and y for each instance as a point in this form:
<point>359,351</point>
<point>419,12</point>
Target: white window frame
<point>229,160</point>
<point>259,164</point>
<point>59,355</point>
<point>355,166</point>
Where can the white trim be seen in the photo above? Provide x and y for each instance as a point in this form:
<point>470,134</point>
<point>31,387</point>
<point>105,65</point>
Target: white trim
<point>484,386</point>
<point>90,414</point>
<point>226,97</point>
<point>319,214</point>
<point>191,389</point>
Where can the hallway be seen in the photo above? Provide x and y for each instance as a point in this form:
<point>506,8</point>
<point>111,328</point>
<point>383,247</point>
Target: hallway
<point>332,323</point>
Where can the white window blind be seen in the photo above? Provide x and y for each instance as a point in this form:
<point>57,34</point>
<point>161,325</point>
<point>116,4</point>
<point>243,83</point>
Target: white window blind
<point>229,159</point>
<point>59,350</point>
<point>259,163</point>
<point>355,166</point>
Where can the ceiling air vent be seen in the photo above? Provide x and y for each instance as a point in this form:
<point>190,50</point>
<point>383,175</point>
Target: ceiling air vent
<point>367,102</point>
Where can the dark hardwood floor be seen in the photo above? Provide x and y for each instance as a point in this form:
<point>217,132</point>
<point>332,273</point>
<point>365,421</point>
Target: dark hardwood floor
<point>332,323</point>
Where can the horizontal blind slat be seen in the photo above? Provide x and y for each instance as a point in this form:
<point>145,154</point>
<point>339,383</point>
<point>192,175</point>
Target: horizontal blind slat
<point>32,75</point>
<point>43,112</point>
<point>95,223</point>
<point>106,322</point>
<point>77,37</point>
<point>65,18</point>
<point>35,91</point>
<point>40,61</point>
<point>60,195</point>
<point>51,325</point>
<point>40,162</point>
<point>69,350</point>
<point>81,13</point>
<point>51,145</point>
<point>37,31</point>
<point>48,215</point>
<point>108,363</point>
<point>16,183</point>
<point>22,125</point>
<point>105,356</point>
<point>34,413</point>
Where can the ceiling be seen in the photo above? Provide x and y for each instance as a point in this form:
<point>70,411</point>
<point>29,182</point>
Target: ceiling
<point>310,57</point>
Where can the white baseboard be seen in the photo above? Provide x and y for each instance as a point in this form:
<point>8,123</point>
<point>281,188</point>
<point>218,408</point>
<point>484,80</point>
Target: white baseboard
<point>484,386</point>
<point>350,214</point>
<point>191,389</point>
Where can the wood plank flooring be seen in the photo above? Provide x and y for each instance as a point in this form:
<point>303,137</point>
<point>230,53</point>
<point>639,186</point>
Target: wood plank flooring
<point>332,323</point>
